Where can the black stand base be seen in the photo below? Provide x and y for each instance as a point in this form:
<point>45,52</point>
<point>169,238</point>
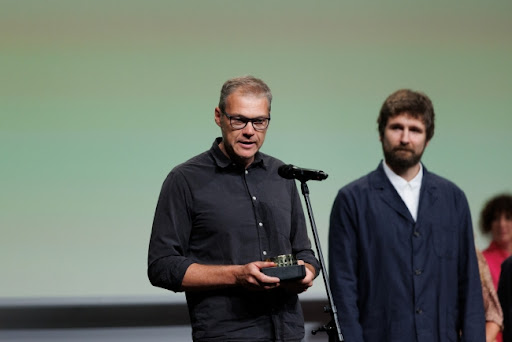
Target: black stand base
<point>330,329</point>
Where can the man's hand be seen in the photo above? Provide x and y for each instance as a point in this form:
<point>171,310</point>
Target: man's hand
<point>251,277</point>
<point>301,285</point>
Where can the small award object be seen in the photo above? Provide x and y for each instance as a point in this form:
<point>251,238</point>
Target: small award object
<point>286,269</point>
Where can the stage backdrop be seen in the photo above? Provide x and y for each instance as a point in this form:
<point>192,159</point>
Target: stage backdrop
<point>100,99</point>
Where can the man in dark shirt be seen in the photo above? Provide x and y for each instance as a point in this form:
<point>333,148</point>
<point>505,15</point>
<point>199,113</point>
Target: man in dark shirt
<point>219,216</point>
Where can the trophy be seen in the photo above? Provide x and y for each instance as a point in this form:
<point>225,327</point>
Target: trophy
<point>286,269</point>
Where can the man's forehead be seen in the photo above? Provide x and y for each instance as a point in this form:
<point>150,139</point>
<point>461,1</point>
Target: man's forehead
<point>246,93</point>
<point>410,118</point>
<point>247,99</point>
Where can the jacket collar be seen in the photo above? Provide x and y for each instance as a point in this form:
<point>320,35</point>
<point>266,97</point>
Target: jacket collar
<point>428,195</point>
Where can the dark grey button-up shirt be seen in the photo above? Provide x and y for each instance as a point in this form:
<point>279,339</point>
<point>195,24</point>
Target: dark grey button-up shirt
<point>211,211</point>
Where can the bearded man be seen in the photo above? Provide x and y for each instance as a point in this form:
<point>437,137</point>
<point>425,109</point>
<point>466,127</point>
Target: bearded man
<point>402,260</point>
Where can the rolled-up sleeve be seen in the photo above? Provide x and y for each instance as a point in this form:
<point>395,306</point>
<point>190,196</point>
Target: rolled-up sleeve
<point>167,260</point>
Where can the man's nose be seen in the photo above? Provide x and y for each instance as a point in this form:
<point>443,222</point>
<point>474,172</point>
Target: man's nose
<point>248,129</point>
<point>404,139</point>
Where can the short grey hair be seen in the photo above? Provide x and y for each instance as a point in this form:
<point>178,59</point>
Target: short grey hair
<point>248,85</point>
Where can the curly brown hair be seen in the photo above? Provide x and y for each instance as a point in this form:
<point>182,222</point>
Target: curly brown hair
<point>496,206</point>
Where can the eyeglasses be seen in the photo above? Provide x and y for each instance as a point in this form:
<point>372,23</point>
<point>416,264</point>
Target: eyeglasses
<point>239,122</point>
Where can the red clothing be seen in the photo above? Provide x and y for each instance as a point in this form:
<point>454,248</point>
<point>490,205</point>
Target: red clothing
<point>495,256</point>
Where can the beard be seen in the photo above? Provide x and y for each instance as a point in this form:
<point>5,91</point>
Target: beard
<point>401,159</point>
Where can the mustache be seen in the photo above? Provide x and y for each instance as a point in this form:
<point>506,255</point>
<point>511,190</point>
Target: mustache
<point>403,149</point>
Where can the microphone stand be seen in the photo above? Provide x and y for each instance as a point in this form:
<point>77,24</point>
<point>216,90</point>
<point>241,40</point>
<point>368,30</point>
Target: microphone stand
<point>332,328</point>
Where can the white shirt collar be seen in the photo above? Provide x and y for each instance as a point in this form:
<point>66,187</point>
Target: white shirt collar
<point>408,191</point>
<point>399,183</point>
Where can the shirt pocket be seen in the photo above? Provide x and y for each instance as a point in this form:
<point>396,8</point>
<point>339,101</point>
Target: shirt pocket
<point>444,239</point>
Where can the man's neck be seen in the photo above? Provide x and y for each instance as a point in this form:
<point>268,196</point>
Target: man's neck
<point>406,173</point>
<point>245,163</point>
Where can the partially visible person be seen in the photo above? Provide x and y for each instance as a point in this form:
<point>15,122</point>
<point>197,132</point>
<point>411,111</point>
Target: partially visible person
<point>492,307</point>
<point>505,295</point>
<point>496,220</point>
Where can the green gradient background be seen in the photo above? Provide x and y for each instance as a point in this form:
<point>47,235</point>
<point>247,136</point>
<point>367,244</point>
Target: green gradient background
<point>100,99</point>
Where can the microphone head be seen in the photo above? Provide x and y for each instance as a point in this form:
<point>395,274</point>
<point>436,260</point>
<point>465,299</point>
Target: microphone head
<point>286,171</point>
<point>321,176</point>
<point>292,172</point>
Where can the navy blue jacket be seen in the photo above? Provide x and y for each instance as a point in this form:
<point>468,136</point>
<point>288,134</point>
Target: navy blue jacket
<point>394,279</point>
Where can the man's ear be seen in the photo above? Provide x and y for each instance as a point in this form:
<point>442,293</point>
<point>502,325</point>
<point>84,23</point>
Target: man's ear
<point>218,115</point>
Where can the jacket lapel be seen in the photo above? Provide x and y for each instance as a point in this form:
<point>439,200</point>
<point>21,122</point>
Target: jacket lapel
<point>388,193</point>
<point>428,195</point>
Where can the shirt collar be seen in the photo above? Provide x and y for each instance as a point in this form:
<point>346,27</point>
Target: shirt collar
<point>223,161</point>
<point>400,183</point>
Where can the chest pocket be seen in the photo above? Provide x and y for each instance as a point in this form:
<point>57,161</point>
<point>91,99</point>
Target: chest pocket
<point>445,241</point>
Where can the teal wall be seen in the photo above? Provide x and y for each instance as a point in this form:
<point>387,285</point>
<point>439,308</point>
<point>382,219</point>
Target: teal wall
<point>100,99</point>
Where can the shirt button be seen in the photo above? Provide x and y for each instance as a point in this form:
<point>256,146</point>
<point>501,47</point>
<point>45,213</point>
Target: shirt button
<point>260,224</point>
<point>246,172</point>
<point>264,252</point>
<point>254,198</point>
<point>417,272</point>
<point>416,233</point>
<point>419,311</point>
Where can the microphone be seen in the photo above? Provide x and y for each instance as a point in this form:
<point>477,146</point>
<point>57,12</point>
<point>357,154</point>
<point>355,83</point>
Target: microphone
<point>293,172</point>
